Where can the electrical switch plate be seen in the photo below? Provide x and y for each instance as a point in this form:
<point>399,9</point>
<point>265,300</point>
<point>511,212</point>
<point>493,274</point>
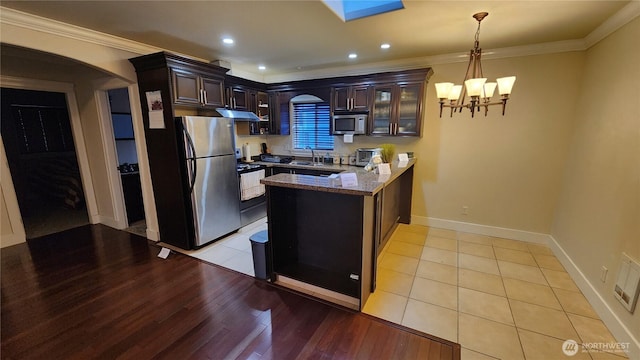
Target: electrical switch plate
<point>603,273</point>
<point>628,283</point>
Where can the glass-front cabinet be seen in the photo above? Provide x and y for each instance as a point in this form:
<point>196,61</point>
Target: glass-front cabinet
<point>397,109</point>
<point>409,109</point>
<point>382,109</point>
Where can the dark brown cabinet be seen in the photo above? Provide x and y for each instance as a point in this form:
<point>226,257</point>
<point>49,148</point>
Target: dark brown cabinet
<point>184,87</point>
<point>279,123</point>
<point>247,95</point>
<point>191,88</point>
<point>240,99</point>
<point>350,98</point>
<point>262,105</point>
<point>397,109</point>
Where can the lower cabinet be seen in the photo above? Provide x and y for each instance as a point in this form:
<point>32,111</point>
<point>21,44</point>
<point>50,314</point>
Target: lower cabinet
<point>317,238</point>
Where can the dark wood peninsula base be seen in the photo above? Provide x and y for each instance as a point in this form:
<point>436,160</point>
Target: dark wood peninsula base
<point>328,236</point>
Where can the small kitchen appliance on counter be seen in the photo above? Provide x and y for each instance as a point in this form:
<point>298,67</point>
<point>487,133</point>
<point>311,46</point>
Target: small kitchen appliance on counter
<point>364,155</point>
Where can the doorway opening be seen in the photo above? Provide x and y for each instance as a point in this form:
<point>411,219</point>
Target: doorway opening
<point>38,139</point>
<point>120,110</point>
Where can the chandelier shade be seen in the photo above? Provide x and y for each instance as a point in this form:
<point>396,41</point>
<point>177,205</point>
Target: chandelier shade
<point>475,86</point>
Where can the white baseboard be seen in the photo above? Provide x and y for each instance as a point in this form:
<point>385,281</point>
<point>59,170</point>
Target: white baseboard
<point>607,315</point>
<point>602,308</point>
<point>495,231</point>
<point>12,239</point>
<point>153,235</point>
<point>109,221</point>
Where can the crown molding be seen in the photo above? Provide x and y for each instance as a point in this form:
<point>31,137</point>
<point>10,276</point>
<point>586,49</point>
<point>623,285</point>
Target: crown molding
<point>426,61</point>
<point>616,21</point>
<point>54,27</point>
<point>45,25</point>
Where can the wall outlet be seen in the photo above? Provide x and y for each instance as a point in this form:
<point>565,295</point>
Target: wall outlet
<point>465,210</point>
<point>603,273</point>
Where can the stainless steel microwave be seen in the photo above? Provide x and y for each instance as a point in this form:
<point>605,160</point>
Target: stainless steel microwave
<point>349,124</point>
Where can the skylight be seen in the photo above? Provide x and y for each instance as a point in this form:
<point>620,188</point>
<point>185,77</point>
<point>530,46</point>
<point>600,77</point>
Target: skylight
<point>355,9</point>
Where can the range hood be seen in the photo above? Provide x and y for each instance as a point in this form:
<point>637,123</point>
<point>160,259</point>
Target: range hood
<point>238,115</point>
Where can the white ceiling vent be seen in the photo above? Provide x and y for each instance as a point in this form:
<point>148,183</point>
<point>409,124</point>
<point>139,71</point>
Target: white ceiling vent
<point>628,283</point>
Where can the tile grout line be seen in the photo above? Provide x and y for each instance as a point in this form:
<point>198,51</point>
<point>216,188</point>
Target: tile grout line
<point>515,325</point>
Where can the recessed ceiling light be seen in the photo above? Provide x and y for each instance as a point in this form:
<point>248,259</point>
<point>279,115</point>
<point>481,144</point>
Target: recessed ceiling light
<point>262,67</point>
<point>353,56</point>
<point>227,41</point>
<point>385,46</point>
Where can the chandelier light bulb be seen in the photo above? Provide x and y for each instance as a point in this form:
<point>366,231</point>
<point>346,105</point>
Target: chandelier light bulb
<point>454,94</point>
<point>488,90</point>
<point>443,89</point>
<point>505,84</point>
<point>474,86</point>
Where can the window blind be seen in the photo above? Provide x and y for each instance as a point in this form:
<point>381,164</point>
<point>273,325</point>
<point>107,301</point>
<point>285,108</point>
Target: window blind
<point>312,126</point>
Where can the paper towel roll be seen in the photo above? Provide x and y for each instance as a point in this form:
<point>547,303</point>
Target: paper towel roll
<point>246,149</point>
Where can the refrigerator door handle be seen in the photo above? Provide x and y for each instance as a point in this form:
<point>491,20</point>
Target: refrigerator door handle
<point>192,159</point>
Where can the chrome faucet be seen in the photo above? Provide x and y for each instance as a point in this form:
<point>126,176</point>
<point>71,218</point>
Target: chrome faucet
<point>313,154</point>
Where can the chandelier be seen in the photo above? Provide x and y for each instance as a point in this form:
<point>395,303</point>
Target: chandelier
<point>475,85</point>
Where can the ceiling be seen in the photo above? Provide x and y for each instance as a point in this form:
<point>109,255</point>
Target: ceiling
<point>300,36</point>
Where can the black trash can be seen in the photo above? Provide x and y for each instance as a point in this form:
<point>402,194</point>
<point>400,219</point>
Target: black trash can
<point>259,248</point>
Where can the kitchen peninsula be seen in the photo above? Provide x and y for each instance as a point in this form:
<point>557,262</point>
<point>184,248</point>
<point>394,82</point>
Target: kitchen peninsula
<point>329,236</point>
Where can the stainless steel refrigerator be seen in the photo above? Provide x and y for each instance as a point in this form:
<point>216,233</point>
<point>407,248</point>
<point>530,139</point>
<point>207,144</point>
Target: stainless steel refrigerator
<point>205,207</point>
<point>210,163</point>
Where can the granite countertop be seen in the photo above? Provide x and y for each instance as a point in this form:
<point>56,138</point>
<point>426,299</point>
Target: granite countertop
<point>369,183</point>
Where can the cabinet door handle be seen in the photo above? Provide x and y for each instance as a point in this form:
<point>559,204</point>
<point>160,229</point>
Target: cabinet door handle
<point>204,97</point>
<point>201,98</point>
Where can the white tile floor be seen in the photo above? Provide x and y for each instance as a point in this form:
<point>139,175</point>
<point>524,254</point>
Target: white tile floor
<point>498,298</point>
<point>232,252</point>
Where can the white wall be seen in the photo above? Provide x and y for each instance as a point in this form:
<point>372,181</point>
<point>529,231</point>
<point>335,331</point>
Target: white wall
<point>506,169</point>
<point>26,64</point>
<point>598,212</point>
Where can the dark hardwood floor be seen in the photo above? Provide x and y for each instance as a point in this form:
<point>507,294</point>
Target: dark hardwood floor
<point>95,292</point>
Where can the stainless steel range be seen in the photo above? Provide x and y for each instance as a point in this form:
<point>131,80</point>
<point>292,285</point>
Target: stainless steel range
<point>253,203</point>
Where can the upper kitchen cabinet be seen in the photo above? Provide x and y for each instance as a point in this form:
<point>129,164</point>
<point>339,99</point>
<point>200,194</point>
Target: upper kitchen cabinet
<point>397,104</point>
<point>239,98</point>
<point>242,94</point>
<point>280,96</point>
<point>279,123</point>
<point>192,88</point>
<point>247,95</point>
<point>182,82</point>
<point>350,98</point>
<point>262,105</point>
